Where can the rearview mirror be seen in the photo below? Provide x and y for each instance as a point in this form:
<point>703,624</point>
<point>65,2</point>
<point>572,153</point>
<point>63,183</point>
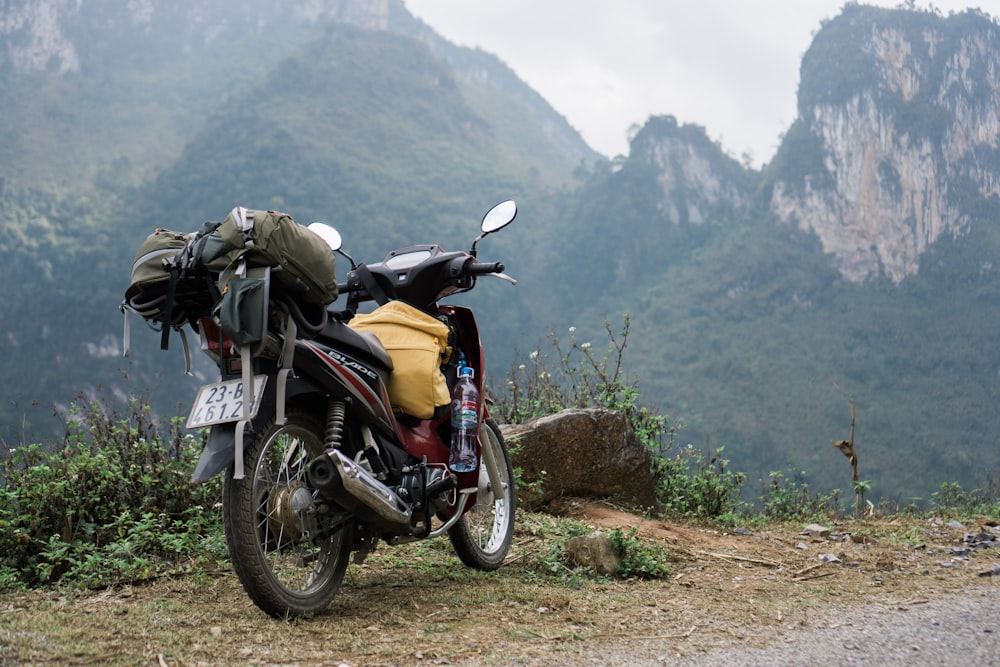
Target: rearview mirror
<point>499,216</point>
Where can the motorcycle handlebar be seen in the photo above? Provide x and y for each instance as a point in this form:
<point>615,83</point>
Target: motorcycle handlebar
<point>461,269</point>
<point>482,268</point>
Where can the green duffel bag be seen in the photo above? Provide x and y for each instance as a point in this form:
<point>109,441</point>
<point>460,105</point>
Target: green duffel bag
<point>301,261</point>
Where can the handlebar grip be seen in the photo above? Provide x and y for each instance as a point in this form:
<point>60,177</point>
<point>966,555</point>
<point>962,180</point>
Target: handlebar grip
<point>482,268</point>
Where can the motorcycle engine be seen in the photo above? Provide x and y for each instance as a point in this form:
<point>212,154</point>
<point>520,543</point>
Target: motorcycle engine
<point>412,489</point>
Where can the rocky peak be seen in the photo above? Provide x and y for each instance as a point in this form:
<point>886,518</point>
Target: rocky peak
<point>55,35</point>
<point>897,128</point>
<point>698,181</point>
<point>34,35</point>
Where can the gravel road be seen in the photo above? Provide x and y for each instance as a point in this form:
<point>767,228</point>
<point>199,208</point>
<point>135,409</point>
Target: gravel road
<point>957,629</point>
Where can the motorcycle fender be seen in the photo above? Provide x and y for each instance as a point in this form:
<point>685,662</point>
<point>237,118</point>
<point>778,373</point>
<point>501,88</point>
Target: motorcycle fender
<point>220,450</point>
<point>219,453</point>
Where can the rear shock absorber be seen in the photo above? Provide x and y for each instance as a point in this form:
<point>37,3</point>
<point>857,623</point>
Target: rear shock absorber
<point>335,411</point>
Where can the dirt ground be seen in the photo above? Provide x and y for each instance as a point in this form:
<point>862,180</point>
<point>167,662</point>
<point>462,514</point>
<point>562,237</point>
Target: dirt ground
<point>417,605</point>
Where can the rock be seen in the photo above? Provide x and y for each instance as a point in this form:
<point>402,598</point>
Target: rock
<point>586,453</point>
<point>816,530</point>
<point>994,572</point>
<point>594,550</point>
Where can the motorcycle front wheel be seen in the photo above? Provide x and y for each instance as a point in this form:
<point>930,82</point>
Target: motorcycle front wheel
<point>290,560</point>
<point>482,536</point>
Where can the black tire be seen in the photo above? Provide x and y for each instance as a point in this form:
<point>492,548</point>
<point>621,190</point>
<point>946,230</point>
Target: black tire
<point>289,563</point>
<point>483,535</point>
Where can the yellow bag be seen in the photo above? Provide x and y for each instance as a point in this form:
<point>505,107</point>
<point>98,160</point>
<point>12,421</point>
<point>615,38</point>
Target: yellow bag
<point>418,345</point>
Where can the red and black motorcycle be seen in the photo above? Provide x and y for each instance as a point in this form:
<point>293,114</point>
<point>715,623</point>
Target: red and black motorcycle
<point>318,464</point>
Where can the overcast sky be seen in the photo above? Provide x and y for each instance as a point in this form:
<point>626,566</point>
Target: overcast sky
<point>731,66</point>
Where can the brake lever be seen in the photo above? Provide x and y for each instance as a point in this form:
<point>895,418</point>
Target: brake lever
<point>503,276</point>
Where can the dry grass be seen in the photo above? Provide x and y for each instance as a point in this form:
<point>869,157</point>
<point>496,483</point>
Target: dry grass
<point>419,605</point>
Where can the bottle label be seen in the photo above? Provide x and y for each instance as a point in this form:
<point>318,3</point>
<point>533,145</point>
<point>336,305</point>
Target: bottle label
<point>464,414</point>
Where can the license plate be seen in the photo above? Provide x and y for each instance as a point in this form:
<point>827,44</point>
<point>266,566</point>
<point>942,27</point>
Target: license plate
<point>223,402</point>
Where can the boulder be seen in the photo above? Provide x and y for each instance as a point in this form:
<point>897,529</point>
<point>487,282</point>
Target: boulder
<point>595,550</point>
<point>588,453</point>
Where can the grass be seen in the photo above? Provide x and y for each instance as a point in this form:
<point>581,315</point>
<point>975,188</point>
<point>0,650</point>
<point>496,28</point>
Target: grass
<point>110,557</point>
<point>417,603</point>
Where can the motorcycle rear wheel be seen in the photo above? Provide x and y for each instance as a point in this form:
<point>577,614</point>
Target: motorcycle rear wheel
<point>482,536</point>
<point>289,562</point>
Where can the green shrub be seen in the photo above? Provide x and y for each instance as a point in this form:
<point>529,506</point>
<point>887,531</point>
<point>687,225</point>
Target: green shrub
<point>952,500</point>
<point>688,484</point>
<point>578,378</point>
<point>788,497</point>
<point>691,485</point>
<point>641,559</point>
<point>111,503</point>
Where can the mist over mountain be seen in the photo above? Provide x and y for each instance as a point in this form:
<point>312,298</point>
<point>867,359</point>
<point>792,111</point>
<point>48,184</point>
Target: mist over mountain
<point>860,264</point>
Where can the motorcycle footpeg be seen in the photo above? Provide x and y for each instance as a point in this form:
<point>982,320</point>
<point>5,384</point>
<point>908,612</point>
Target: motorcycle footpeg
<point>443,485</point>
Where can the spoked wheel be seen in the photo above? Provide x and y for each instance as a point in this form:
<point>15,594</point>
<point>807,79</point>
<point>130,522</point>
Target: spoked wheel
<point>483,535</point>
<point>290,560</point>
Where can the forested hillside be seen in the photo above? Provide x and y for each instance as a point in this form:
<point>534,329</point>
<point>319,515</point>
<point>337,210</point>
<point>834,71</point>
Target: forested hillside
<point>861,266</point>
<point>364,128</point>
<point>762,302</point>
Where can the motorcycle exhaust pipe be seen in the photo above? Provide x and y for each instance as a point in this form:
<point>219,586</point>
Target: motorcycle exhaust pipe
<point>335,475</point>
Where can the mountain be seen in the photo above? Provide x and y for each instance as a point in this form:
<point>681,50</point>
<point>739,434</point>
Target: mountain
<point>104,88</point>
<point>124,117</point>
<point>896,145</point>
<point>857,267</point>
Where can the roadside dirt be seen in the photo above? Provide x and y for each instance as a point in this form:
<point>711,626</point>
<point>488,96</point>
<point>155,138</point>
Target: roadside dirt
<point>417,605</point>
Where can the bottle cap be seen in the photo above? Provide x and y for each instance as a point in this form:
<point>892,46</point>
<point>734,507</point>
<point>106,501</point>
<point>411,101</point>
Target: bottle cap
<point>466,371</point>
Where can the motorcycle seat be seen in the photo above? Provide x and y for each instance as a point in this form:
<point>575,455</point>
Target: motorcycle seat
<point>364,343</point>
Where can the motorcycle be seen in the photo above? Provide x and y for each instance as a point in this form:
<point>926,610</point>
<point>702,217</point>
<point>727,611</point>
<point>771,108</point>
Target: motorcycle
<point>319,466</point>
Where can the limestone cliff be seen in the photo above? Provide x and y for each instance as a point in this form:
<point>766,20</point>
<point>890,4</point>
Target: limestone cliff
<point>698,183</point>
<point>49,35</point>
<point>897,131</point>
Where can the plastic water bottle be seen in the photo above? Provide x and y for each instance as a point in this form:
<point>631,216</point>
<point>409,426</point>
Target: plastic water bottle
<point>464,422</point>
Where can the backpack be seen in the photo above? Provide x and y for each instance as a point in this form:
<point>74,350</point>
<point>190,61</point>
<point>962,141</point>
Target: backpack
<point>177,277</point>
<point>301,261</point>
<point>418,345</point>
<point>150,279</point>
